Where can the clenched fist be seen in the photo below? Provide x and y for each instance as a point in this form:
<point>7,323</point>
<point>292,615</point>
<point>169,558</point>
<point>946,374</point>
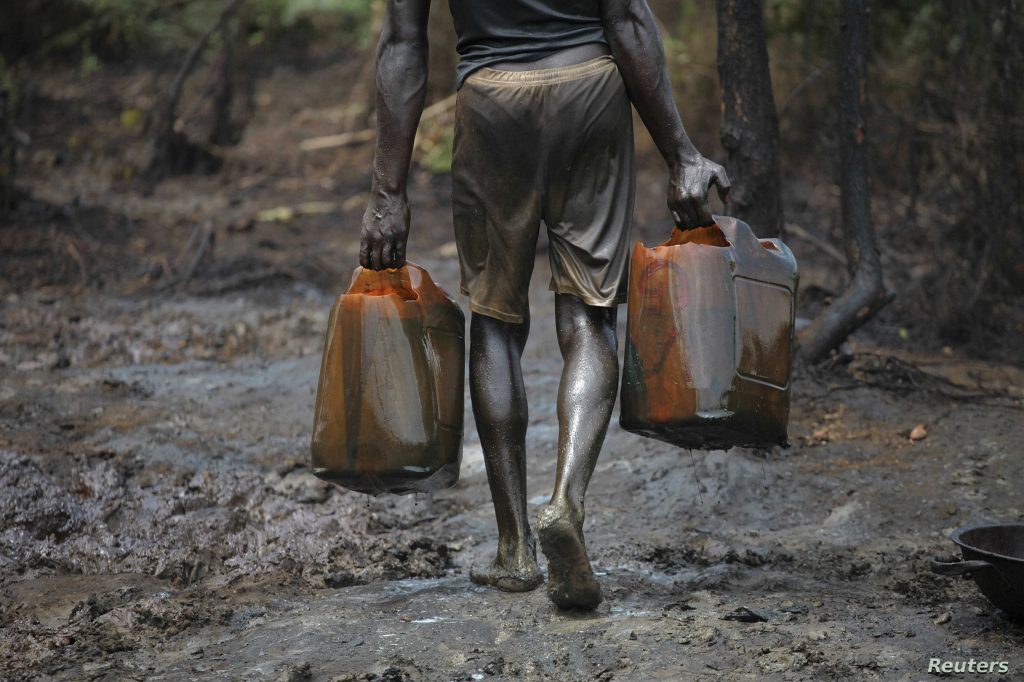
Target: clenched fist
<point>385,232</point>
<point>688,186</point>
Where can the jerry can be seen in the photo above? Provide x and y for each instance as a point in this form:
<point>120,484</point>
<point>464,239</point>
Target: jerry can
<point>709,339</point>
<point>389,404</point>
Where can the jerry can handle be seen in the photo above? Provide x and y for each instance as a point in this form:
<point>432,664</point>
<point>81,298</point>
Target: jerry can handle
<point>397,281</point>
<point>717,179</point>
<point>711,235</point>
<point>678,220</point>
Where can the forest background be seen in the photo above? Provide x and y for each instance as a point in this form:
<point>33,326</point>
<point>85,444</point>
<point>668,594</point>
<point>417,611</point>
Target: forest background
<point>942,109</point>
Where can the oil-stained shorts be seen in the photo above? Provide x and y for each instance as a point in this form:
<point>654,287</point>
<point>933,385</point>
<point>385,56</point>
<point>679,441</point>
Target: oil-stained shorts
<point>552,145</point>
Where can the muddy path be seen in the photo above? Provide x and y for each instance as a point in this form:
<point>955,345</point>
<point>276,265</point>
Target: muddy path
<point>158,519</point>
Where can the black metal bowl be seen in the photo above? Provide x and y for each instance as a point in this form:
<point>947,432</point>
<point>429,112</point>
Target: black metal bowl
<point>993,555</point>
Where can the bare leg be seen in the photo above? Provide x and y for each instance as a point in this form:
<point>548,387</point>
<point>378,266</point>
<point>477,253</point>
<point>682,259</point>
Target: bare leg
<point>586,395</point>
<point>499,405</point>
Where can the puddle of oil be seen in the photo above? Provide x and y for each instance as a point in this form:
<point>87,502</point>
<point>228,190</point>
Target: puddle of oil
<point>389,405</point>
<point>709,339</point>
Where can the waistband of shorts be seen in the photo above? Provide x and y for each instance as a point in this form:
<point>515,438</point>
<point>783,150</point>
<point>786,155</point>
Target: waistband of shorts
<point>557,74</point>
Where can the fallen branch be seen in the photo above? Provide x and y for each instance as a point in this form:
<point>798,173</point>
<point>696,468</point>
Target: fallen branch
<point>439,107</point>
<point>814,75</point>
<point>816,241</point>
<point>202,238</point>
<point>341,140</point>
<point>198,248</point>
<point>77,257</point>
<point>360,136</point>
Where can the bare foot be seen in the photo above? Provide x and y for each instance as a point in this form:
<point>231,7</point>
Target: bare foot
<point>571,581</point>
<point>512,572</point>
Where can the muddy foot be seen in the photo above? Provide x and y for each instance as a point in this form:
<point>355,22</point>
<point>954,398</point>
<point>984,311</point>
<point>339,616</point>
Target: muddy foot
<point>571,581</point>
<point>524,575</point>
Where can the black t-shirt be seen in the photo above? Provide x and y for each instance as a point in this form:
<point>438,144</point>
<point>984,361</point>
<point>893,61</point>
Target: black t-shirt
<point>492,31</point>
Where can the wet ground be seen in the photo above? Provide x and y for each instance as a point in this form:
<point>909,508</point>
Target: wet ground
<point>158,362</point>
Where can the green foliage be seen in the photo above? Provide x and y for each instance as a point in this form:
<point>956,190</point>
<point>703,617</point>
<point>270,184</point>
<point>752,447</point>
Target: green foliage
<point>808,30</point>
<point>343,22</point>
<point>96,30</point>
<point>436,150</point>
<point>291,10</point>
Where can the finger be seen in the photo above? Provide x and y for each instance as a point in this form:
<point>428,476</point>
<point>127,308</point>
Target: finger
<point>689,217</point>
<point>702,213</point>
<point>678,213</point>
<point>387,256</point>
<point>364,253</point>
<point>677,217</point>
<point>723,185</point>
<point>400,254</point>
<point>377,254</point>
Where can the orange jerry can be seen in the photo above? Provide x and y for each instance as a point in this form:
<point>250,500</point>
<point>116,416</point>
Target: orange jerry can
<point>709,339</point>
<point>389,404</point>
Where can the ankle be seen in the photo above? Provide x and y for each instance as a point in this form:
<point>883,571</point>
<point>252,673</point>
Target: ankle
<point>517,547</point>
<point>564,505</point>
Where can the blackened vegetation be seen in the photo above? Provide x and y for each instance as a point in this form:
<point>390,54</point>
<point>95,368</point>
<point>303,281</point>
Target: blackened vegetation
<point>172,152</point>
<point>70,245</point>
<point>866,293</point>
<point>225,131</point>
<point>983,282</point>
<point>26,33</point>
<point>1002,183</point>
<point>750,130</point>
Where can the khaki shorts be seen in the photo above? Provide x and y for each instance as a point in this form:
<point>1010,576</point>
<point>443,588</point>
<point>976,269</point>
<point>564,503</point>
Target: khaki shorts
<point>552,145</point>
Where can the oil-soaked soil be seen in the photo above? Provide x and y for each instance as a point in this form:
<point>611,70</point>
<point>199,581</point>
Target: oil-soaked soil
<point>158,520</point>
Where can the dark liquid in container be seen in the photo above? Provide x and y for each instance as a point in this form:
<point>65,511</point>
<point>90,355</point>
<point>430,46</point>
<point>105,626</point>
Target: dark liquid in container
<point>709,339</point>
<point>389,404</point>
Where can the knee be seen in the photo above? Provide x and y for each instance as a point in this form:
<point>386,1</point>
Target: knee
<point>489,336</point>
<point>580,324</point>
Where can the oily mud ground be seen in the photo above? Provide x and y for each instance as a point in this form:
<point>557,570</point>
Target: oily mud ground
<point>158,358</point>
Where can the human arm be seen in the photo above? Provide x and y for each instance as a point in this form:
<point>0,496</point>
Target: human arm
<point>401,91</point>
<point>633,36</point>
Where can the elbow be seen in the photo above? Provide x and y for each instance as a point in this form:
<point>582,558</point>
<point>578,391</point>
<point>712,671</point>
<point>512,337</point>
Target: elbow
<point>638,13</point>
<point>402,66</point>
<point>632,27</point>
<point>402,55</point>
<point>397,38</point>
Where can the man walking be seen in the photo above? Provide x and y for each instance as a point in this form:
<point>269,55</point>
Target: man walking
<point>543,134</point>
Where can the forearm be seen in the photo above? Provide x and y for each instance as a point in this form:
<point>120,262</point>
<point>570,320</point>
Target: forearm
<point>401,91</point>
<point>635,42</point>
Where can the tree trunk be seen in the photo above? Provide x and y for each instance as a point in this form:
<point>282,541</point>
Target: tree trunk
<point>866,293</point>
<point>750,129</point>
<point>1003,183</point>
